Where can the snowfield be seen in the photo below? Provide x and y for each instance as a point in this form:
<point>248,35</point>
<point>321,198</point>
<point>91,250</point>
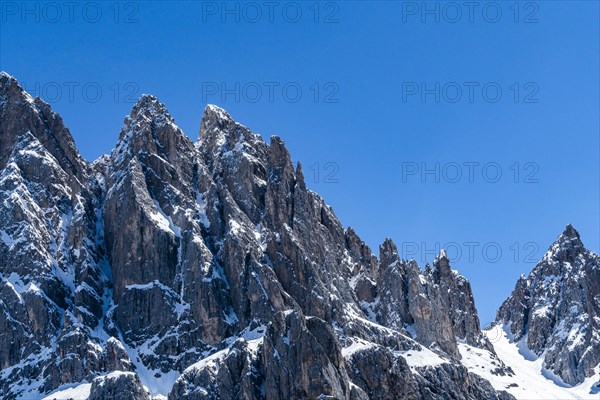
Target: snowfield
<point>79,392</point>
<point>530,381</point>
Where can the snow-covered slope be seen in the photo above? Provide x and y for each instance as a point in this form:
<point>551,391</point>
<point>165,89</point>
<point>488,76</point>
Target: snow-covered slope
<point>548,330</point>
<point>530,381</point>
<point>71,392</point>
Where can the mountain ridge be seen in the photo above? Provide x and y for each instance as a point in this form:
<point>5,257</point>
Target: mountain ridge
<point>188,269</point>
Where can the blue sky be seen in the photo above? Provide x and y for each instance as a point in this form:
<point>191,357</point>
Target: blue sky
<point>370,95</point>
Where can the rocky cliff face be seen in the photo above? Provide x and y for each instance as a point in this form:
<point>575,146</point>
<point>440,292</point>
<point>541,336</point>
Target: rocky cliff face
<point>555,311</point>
<point>54,273</point>
<point>435,307</point>
<point>206,270</point>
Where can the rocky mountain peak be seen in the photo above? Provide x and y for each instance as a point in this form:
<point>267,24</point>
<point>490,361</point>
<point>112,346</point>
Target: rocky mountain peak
<point>555,309</point>
<point>149,107</point>
<point>569,239</point>
<point>7,83</point>
<point>300,176</point>
<point>215,122</point>
<point>216,114</point>
<point>570,231</point>
<point>21,114</point>
<point>225,143</point>
<point>566,246</point>
<point>14,98</point>
<point>388,252</point>
<point>147,113</point>
<point>220,134</point>
<point>150,131</point>
<point>441,265</point>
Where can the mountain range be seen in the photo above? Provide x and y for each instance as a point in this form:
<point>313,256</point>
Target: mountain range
<point>208,270</point>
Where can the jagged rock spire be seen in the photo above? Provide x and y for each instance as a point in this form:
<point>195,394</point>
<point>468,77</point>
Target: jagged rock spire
<point>441,265</point>
<point>566,247</point>
<point>21,114</point>
<point>570,237</point>
<point>150,129</point>
<point>214,118</point>
<point>570,231</point>
<point>554,308</point>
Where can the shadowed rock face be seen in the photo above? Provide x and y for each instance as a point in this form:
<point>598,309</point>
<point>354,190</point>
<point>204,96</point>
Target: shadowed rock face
<point>204,270</point>
<point>556,309</point>
<point>21,114</point>
<point>52,266</point>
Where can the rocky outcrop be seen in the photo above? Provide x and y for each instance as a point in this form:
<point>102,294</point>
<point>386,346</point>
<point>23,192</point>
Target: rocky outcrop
<point>555,311</point>
<point>457,384</point>
<point>381,375</point>
<point>458,301</point>
<point>435,306</point>
<point>302,359</point>
<point>231,373</point>
<point>118,386</point>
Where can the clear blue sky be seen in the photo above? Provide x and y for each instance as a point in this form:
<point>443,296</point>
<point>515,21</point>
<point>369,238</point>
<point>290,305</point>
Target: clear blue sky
<point>360,67</point>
